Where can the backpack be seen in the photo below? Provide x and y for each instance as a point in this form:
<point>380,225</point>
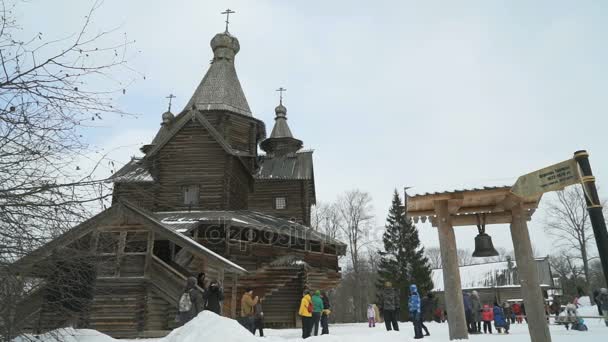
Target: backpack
<point>185,302</point>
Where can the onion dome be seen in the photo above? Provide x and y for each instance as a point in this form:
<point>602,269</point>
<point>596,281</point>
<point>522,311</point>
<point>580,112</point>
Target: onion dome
<point>167,118</point>
<point>281,140</point>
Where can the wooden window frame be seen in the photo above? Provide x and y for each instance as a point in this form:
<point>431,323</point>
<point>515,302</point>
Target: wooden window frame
<point>274,203</point>
<point>184,188</point>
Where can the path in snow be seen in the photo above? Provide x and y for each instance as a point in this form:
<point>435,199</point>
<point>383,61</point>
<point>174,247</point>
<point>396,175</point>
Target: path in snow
<point>209,327</point>
<point>439,332</point>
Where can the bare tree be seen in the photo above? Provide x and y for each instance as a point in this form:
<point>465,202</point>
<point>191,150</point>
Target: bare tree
<point>434,256</point>
<point>325,218</point>
<point>568,222</point>
<point>465,257</point>
<point>50,92</point>
<point>571,276</point>
<point>355,210</point>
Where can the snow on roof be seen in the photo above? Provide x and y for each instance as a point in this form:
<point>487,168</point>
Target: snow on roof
<point>487,275</point>
<point>473,276</point>
<point>464,186</point>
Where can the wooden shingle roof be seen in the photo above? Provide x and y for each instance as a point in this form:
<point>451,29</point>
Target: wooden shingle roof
<point>297,166</point>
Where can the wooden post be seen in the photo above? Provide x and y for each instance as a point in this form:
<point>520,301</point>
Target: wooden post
<point>149,253</point>
<point>120,252</point>
<point>227,233</point>
<point>233,298</point>
<point>451,273</point>
<point>528,277</point>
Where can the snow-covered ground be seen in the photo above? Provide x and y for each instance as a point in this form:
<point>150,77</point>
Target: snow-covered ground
<point>209,327</point>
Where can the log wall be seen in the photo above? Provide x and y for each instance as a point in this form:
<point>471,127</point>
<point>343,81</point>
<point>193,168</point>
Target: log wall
<point>265,192</point>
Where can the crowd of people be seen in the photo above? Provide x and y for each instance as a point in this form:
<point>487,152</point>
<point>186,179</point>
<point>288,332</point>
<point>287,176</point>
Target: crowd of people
<point>314,310</point>
<point>477,313</point>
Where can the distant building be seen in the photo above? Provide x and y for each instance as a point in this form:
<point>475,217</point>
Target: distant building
<point>497,281</point>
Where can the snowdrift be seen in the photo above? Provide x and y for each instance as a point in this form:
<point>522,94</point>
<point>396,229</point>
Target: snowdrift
<point>208,326</point>
<point>68,335</point>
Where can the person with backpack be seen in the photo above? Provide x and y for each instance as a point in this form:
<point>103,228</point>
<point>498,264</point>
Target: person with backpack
<point>305,312</point>
<point>258,322</point>
<point>247,305</point>
<point>213,296</point>
<point>325,315</point>
<point>389,299</point>
<point>487,315</point>
<point>190,302</point>
<point>414,307</point>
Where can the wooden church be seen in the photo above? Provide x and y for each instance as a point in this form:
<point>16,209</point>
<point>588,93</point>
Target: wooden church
<point>201,199</point>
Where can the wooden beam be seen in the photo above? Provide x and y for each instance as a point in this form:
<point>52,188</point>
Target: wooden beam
<point>454,205</point>
<point>471,210</point>
<point>94,241</point>
<point>227,227</point>
<point>471,220</point>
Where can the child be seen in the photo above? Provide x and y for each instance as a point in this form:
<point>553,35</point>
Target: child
<point>500,321</point>
<point>258,321</point>
<point>517,312</point>
<point>371,315</point>
<point>571,316</point>
<point>487,315</point>
<point>579,325</point>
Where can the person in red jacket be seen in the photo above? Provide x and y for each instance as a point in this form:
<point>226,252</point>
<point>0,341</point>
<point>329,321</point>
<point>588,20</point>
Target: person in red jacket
<point>517,312</point>
<point>487,316</point>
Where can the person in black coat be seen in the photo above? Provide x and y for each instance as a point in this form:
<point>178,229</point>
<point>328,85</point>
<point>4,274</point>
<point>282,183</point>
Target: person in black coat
<point>213,297</point>
<point>325,315</point>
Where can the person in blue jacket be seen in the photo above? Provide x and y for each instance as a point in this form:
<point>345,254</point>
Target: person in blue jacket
<point>500,321</point>
<point>415,312</point>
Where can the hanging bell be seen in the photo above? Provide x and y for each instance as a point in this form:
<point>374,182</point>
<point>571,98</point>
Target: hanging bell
<point>484,246</point>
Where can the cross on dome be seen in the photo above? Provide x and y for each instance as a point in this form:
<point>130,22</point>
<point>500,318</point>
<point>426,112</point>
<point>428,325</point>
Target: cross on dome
<point>227,12</point>
<point>281,90</point>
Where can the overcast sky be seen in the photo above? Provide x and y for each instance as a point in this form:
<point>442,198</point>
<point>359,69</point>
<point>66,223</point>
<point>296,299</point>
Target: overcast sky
<point>427,94</point>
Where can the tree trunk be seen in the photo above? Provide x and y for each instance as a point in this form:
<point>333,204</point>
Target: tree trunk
<point>585,267</point>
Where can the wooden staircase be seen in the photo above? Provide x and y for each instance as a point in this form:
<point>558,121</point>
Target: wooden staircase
<point>269,280</point>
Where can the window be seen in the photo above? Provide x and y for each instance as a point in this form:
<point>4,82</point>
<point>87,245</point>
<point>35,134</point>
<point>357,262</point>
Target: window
<point>190,194</point>
<point>280,203</point>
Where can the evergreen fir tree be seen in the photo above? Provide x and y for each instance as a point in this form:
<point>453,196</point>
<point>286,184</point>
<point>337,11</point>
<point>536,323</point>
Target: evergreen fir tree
<point>402,262</point>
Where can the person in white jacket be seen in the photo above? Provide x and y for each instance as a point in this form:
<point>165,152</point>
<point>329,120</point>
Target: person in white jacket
<point>371,315</point>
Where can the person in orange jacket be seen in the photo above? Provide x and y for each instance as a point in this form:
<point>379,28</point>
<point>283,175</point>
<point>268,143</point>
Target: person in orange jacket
<point>305,313</point>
